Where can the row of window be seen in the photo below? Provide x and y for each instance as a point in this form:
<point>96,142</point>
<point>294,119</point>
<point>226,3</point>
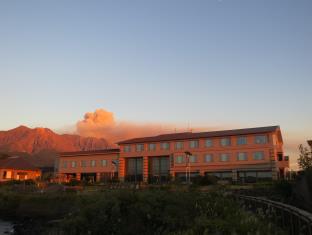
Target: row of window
<point>223,157</point>
<point>84,163</point>
<point>226,141</point>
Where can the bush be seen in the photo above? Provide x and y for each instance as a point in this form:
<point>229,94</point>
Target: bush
<point>74,182</point>
<point>129,212</point>
<point>283,188</point>
<point>20,182</point>
<point>205,180</point>
<point>160,212</point>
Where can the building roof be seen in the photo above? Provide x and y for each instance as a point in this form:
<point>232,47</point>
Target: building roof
<point>92,152</point>
<point>18,163</point>
<point>191,135</point>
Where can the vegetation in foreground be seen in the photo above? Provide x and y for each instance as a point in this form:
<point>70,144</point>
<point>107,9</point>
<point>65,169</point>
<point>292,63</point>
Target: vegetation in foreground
<point>129,212</point>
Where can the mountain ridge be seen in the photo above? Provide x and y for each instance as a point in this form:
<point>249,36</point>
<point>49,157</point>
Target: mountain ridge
<point>35,140</point>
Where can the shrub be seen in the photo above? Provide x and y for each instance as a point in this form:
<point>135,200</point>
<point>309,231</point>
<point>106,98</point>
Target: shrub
<point>130,212</point>
<point>283,188</point>
<point>205,180</point>
<point>160,212</point>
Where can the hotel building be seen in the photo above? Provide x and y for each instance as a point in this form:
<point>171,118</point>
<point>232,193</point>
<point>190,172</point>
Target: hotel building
<point>237,155</point>
<point>99,165</point>
<point>232,154</point>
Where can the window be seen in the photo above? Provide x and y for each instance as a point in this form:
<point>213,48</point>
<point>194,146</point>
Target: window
<point>7,175</point>
<point>64,164</point>
<point>134,169</point>
<point>165,145</point>
<point>242,156</point>
<point>83,163</point>
<point>140,147</point>
<point>251,174</point>
<point>179,145</point>
<point>104,162</point>
<point>264,174</point>
<point>179,159</point>
<point>225,141</point>
<point>208,158</point>
<point>127,148</point>
<point>152,147</point>
<point>258,155</point>
<point>93,163</point>
<point>261,139</point>
<point>208,143</point>
<point>222,175</point>
<point>194,144</point>
<point>193,159</point>
<point>224,157</point>
<point>160,167</point>
<point>73,164</point>
<point>280,156</point>
<point>241,140</point>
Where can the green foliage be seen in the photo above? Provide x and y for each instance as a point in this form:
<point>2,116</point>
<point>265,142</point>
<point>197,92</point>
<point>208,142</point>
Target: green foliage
<point>74,182</point>
<point>35,206</point>
<point>154,211</point>
<point>305,158</point>
<point>283,188</point>
<point>19,182</point>
<point>9,202</point>
<point>205,180</point>
<point>160,212</point>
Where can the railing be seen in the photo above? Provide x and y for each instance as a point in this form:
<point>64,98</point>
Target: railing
<point>292,219</point>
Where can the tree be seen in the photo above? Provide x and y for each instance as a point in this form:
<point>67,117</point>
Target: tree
<point>305,158</point>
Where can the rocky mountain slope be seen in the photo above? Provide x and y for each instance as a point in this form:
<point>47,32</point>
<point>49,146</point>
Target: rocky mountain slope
<point>42,143</point>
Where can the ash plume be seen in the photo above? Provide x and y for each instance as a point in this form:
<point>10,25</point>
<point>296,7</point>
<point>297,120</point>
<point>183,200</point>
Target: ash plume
<point>102,124</point>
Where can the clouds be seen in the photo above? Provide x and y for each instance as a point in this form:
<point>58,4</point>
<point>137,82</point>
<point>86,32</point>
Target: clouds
<point>102,124</point>
<point>97,124</point>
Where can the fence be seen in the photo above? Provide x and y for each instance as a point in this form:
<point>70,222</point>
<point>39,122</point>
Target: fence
<point>290,218</point>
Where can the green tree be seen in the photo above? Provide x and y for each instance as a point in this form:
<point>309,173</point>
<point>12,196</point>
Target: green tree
<point>305,158</point>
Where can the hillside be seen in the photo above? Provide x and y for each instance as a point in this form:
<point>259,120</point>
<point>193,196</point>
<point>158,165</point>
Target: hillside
<point>42,143</point>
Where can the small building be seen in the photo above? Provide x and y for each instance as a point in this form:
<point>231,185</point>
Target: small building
<point>17,168</point>
<point>91,166</point>
<point>239,155</point>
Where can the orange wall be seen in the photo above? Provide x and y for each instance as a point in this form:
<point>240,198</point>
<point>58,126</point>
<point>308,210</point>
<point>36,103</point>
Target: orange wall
<point>270,150</point>
<point>14,174</point>
<point>88,169</point>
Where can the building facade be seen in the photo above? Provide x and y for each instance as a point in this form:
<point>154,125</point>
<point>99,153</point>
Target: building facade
<point>17,168</point>
<point>238,155</point>
<point>99,165</point>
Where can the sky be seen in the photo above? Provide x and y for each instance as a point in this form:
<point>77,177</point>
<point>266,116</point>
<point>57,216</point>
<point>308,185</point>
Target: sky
<point>218,64</point>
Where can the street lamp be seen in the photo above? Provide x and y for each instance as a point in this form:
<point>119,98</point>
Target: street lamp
<point>188,167</point>
<point>115,164</point>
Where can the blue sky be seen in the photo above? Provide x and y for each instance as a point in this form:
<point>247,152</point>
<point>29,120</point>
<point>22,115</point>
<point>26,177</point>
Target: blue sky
<point>211,63</point>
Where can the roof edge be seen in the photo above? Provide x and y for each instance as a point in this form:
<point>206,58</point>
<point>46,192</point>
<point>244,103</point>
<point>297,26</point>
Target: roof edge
<point>101,151</point>
<point>195,134</point>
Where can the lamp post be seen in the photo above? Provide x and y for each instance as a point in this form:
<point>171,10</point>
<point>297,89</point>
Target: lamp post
<point>114,163</point>
<point>188,167</point>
